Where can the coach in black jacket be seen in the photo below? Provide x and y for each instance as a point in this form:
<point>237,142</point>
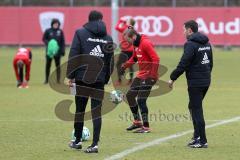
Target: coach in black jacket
<point>197,63</point>
<point>54,33</point>
<point>90,65</point>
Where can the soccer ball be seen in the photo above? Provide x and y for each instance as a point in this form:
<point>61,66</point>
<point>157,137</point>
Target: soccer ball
<point>85,134</point>
<point>116,96</point>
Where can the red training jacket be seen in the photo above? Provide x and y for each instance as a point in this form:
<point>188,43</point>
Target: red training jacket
<point>147,59</point>
<point>24,55</point>
<point>124,45</point>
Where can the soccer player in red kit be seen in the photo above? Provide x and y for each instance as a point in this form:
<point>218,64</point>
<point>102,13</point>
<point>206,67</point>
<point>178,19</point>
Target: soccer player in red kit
<point>22,59</point>
<point>148,60</point>
<point>126,49</point>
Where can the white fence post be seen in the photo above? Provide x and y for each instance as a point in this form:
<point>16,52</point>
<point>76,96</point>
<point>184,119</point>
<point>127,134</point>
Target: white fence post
<point>114,20</point>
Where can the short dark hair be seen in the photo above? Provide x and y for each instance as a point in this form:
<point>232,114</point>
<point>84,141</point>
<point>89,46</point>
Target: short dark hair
<point>55,20</point>
<point>193,25</point>
<point>95,16</point>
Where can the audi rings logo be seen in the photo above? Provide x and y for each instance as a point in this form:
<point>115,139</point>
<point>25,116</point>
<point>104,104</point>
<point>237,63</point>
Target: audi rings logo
<point>152,25</point>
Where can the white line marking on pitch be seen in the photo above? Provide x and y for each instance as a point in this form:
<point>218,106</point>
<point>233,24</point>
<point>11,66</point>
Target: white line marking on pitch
<point>58,120</point>
<point>164,139</point>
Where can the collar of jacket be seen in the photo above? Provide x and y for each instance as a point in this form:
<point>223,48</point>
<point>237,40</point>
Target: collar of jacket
<point>136,43</point>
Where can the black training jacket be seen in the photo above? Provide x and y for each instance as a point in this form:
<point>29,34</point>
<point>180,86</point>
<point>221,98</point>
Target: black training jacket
<point>58,35</point>
<point>196,61</point>
<point>95,49</point>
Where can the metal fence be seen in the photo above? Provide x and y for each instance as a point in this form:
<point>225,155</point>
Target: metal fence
<point>123,3</point>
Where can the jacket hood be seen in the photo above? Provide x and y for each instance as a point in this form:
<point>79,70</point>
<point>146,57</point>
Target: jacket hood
<point>140,38</point>
<point>143,36</point>
<point>199,38</point>
<point>98,28</point>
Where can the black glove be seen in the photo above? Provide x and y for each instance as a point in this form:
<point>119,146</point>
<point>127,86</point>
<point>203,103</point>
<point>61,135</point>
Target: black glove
<point>122,70</point>
<point>62,53</point>
<point>106,79</point>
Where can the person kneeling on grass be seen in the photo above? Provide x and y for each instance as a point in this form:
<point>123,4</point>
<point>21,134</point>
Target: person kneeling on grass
<point>21,59</point>
<point>148,62</point>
